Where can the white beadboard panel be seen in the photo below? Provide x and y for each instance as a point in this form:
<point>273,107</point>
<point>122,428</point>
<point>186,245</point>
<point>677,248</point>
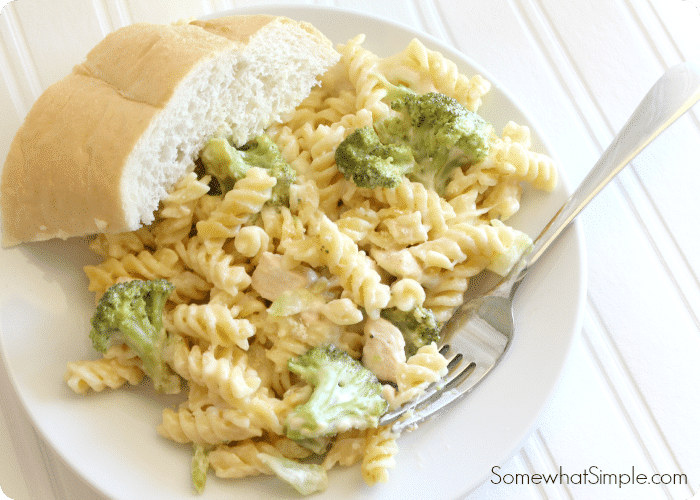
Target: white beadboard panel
<point>158,11</point>
<point>649,326</point>
<point>212,6</point>
<point>624,67</point>
<point>539,458</point>
<point>38,29</point>
<point>546,27</point>
<point>681,223</point>
<point>402,11</point>
<point>681,22</point>
<point>430,20</point>
<point>582,428</point>
<point>662,31</point>
<point>117,13</point>
<point>669,169</point>
<point>677,263</point>
<point>19,76</point>
<point>246,3</point>
<point>633,407</point>
<point>14,107</point>
<point>103,16</point>
<point>663,155</point>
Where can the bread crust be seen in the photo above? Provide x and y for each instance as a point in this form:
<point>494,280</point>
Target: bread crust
<point>63,175</point>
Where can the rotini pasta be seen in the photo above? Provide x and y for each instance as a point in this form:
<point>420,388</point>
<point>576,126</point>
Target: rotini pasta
<point>416,374</point>
<point>223,371</point>
<point>353,267</point>
<point>241,459</point>
<point>178,209</point>
<point>209,425</point>
<point>257,283</point>
<point>211,262</point>
<point>118,245</point>
<point>214,323</point>
<point>146,265</point>
<point>379,455</point>
<point>429,71</point>
<point>243,201</point>
<point>118,366</point>
<point>414,197</point>
<point>361,65</point>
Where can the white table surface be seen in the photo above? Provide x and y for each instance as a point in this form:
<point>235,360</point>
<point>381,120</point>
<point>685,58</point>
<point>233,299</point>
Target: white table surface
<point>630,392</point>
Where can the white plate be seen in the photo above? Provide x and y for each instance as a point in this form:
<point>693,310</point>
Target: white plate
<point>110,440</point>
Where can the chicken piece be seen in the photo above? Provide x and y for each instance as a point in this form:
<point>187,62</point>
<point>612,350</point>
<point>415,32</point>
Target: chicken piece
<point>384,349</point>
<point>271,278</point>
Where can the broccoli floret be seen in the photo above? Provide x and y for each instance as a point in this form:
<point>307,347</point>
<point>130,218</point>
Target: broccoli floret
<point>132,313</point>
<point>418,326</point>
<point>437,130</point>
<point>346,395</point>
<point>305,478</point>
<point>229,164</point>
<point>362,158</point>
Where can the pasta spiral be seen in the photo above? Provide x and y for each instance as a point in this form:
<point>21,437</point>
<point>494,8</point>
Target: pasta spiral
<point>379,453</point>
<point>362,64</point>
<point>214,323</point>
<point>214,264</point>
<point>117,367</point>
<point>417,373</point>
<point>247,198</point>
<point>353,267</point>
<point>118,245</point>
<point>414,197</point>
<point>146,265</point>
<point>347,448</point>
<point>536,168</point>
<point>241,459</point>
<point>177,209</point>
<point>224,373</point>
<point>445,292</point>
<point>443,74</point>
<point>210,425</point>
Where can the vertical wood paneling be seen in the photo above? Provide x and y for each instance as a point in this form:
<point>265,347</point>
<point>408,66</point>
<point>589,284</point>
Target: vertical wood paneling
<point>662,453</point>
<point>681,20</point>
<point>19,65</point>
<point>403,11</point>
<point>584,430</point>
<point>17,103</point>
<point>52,47</point>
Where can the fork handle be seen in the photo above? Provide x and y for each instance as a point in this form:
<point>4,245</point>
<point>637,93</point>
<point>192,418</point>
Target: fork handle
<point>671,96</point>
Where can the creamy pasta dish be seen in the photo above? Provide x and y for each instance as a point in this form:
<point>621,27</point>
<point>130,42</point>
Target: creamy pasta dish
<point>257,284</point>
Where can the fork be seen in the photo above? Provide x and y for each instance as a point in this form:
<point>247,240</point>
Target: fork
<point>480,331</point>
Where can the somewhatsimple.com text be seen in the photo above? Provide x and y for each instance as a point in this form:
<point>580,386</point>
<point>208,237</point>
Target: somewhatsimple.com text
<point>592,475</point>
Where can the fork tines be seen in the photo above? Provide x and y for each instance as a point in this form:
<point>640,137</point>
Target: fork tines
<point>436,398</point>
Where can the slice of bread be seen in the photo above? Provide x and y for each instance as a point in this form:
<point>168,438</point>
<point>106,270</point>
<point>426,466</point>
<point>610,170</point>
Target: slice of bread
<point>100,148</point>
